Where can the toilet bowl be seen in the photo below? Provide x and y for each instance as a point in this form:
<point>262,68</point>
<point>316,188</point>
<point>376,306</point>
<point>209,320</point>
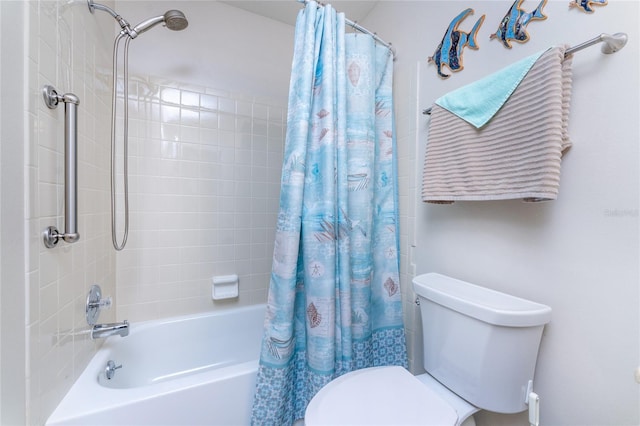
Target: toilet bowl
<point>387,396</point>
<point>480,351</point>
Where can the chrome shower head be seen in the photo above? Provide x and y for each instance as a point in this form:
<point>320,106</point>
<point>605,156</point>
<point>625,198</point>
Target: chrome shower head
<point>173,19</point>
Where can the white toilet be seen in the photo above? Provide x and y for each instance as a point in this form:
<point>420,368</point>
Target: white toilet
<point>480,350</point>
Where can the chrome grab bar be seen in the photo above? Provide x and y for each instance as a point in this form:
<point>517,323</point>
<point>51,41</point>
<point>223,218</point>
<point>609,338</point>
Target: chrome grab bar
<point>51,236</point>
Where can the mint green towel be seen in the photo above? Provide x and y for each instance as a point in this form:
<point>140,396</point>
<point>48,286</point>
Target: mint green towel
<point>478,102</point>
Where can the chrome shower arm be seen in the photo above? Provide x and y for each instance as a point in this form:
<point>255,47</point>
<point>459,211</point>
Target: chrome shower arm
<point>121,21</point>
<point>93,6</point>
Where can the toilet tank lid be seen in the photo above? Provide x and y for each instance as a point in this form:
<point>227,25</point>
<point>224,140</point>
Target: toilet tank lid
<point>482,303</point>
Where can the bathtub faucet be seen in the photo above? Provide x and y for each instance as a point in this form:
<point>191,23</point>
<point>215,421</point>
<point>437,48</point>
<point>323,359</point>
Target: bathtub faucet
<point>100,331</point>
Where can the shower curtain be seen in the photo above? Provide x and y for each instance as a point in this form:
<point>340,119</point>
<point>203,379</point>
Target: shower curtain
<point>334,300</point>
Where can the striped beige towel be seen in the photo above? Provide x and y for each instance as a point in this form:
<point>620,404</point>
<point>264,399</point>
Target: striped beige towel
<point>517,154</point>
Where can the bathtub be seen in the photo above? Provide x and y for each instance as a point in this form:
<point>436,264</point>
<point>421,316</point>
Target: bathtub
<point>192,370</point>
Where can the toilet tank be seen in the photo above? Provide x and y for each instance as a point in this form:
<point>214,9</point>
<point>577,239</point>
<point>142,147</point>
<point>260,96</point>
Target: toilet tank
<point>480,343</point>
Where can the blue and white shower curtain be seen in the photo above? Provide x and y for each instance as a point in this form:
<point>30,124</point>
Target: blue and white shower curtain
<point>334,300</point>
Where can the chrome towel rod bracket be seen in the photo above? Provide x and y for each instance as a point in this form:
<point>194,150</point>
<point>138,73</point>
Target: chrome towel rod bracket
<point>612,43</point>
<point>51,235</point>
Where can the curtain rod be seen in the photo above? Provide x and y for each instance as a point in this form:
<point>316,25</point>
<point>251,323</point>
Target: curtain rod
<point>612,43</point>
<point>360,28</point>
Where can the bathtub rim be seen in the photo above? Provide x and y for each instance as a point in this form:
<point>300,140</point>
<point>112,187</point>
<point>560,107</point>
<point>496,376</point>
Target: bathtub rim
<point>138,326</point>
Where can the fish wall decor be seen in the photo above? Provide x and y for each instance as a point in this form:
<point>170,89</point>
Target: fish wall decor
<point>449,51</point>
<point>514,24</point>
<point>585,5</point>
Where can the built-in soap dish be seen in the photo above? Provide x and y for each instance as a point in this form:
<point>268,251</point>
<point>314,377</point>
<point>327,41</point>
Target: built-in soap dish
<point>224,287</point>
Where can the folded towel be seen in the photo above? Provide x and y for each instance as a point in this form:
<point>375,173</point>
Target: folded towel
<point>517,154</point>
<point>477,103</point>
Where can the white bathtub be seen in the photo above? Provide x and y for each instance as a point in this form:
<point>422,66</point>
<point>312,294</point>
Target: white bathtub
<point>193,370</point>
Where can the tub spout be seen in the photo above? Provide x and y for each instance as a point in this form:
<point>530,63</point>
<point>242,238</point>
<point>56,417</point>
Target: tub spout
<point>101,331</point>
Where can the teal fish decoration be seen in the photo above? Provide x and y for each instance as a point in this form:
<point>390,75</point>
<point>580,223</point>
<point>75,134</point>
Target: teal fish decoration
<point>514,23</point>
<point>449,51</point>
<point>585,5</point>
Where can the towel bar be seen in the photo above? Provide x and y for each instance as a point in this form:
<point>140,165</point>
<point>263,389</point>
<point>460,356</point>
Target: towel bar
<point>612,43</point>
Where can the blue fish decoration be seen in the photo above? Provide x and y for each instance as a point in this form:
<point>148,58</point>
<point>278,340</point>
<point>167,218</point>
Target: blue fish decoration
<point>585,5</point>
<point>514,23</point>
<point>449,51</point>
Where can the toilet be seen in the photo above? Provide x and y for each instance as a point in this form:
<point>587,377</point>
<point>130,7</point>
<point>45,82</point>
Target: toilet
<point>480,351</point>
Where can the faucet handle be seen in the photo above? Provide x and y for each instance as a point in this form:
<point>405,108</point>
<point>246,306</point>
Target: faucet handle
<point>95,303</point>
<point>104,303</point>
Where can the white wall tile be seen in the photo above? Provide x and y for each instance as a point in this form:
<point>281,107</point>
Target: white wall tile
<point>208,102</point>
<point>211,191</point>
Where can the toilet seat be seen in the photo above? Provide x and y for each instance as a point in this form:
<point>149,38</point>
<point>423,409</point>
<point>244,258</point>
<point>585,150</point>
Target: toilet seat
<point>378,396</point>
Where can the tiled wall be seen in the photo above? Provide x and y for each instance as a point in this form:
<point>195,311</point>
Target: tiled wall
<point>204,188</point>
<point>70,49</point>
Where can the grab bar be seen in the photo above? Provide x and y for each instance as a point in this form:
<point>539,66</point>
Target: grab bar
<point>51,236</point>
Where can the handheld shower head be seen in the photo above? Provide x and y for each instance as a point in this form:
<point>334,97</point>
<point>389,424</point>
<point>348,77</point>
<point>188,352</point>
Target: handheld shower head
<point>173,19</point>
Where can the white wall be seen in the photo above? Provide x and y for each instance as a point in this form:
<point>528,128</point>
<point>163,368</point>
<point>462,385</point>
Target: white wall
<point>12,291</point>
<point>207,134</point>
<point>1,381</point>
<point>578,254</point>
